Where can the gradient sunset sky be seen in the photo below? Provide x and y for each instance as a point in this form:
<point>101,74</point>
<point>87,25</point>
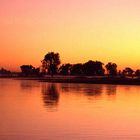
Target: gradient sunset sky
<point>80,30</point>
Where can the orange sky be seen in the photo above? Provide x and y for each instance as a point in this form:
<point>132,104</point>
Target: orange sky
<point>105,30</point>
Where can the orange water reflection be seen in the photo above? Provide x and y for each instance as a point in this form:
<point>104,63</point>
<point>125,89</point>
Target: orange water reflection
<point>39,111</point>
<point>50,96</point>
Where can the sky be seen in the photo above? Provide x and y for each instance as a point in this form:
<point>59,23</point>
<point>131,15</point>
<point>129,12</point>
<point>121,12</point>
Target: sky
<point>79,30</point>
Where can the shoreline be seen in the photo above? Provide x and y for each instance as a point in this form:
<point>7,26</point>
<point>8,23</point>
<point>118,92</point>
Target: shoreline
<point>82,79</point>
<point>112,81</point>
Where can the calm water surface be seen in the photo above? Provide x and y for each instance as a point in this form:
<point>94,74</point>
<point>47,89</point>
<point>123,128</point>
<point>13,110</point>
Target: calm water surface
<point>31,110</point>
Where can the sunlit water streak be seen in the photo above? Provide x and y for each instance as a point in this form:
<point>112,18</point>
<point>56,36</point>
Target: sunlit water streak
<point>31,110</point>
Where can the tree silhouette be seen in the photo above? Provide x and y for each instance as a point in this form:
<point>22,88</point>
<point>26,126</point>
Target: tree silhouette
<point>111,69</point>
<point>137,73</point>
<point>36,71</point>
<point>77,69</point>
<point>99,68</point>
<point>51,62</point>
<point>4,71</point>
<point>89,68</point>
<point>93,68</point>
<point>128,71</point>
<point>29,70</point>
<point>26,69</point>
<point>65,69</point>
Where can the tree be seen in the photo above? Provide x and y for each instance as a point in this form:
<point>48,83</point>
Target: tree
<point>36,71</point>
<point>27,70</point>
<point>99,68</point>
<point>65,69</point>
<point>93,68</point>
<point>4,71</point>
<point>137,73</point>
<point>128,71</point>
<point>111,69</point>
<point>51,62</point>
<point>89,68</point>
<point>77,69</point>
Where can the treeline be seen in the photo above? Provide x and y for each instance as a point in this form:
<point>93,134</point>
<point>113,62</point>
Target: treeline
<point>29,70</point>
<point>51,65</point>
<point>4,72</point>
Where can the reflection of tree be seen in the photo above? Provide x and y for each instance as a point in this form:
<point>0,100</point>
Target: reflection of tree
<point>28,85</point>
<point>111,89</point>
<point>94,90</point>
<point>66,87</point>
<point>86,89</point>
<point>50,95</point>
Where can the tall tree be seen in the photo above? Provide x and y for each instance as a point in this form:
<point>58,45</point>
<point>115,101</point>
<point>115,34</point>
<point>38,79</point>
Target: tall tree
<point>52,61</point>
<point>111,69</point>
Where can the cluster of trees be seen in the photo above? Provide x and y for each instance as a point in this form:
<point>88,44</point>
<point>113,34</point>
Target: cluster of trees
<point>89,68</point>
<point>29,70</point>
<point>130,72</point>
<point>51,65</point>
<point>4,72</point>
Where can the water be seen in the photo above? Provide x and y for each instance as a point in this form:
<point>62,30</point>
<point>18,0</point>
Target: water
<point>31,110</point>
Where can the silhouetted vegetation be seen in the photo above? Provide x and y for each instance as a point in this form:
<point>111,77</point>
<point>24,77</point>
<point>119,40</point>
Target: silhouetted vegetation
<point>76,69</point>
<point>51,66</point>
<point>111,69</point>
<point>4,71</point>
<point>65,69</point>
<point>93,68</point>
<point>137,73</point>
<point>128,72</point>
<point>50,63</point>
<point>29,70</point>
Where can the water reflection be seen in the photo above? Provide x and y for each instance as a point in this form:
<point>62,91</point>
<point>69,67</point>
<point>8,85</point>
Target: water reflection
<point>68,88</point>
<point>50,95</point>
<point>94,90</point>
<point>111,89</point>
<point>28,85</point>
<point>88,90</point>
<point>90,108</point>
